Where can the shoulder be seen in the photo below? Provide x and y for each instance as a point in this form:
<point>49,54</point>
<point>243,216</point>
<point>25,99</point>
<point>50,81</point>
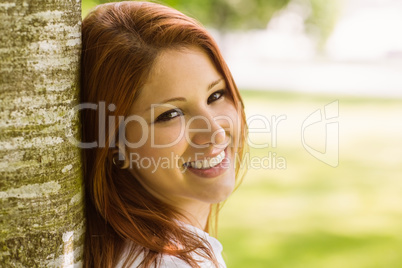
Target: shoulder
<point>169,261</point>
<point>166,261</point>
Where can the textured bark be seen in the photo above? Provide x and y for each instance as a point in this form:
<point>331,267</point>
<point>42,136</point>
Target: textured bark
<point>41,207</point>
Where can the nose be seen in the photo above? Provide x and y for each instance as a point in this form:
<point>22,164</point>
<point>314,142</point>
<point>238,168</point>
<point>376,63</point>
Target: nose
<point>206,131</point>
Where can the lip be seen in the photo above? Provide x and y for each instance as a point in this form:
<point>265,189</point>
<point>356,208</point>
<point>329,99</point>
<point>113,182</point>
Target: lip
<point>215,171</point>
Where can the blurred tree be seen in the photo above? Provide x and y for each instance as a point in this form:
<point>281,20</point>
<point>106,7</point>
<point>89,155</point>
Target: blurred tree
<point>225,15</point>
<point>220,14</point>
<point>322,18</point>
<point>230,14</point>
<point>41,207</point>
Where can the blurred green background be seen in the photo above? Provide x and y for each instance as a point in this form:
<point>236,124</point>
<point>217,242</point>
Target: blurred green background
<point>311,214</point>
<point>300,211</point>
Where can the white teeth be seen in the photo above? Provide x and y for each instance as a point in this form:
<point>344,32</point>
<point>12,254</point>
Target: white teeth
<point>198,164</point>
<point>205,164</point>
<point>213,161</point>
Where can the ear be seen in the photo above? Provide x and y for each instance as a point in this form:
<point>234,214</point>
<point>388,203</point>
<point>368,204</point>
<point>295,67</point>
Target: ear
<point>120,157</point>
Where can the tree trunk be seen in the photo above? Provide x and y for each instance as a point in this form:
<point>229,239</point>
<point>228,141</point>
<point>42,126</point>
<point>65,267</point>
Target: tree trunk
<point>41,204</point>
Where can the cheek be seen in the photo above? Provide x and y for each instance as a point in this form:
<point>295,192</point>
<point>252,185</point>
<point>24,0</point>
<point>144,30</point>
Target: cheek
<point>167,136</point>
<point>136,134</point>
<point>230,120</point>
<point>234,114</point>
<point>161,142</point>
<point>154,136</point>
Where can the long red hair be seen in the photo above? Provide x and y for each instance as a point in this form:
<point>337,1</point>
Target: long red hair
<point>120,44</point>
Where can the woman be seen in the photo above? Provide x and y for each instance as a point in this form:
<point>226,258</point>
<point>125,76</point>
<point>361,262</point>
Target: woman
<point>166,130</point>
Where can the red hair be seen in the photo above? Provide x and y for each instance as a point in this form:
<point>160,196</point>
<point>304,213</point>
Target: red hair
<point>120,44</point>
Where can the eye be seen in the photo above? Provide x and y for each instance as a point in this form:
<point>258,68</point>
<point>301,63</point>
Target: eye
<point>166,116</point>
<point>216,96</point>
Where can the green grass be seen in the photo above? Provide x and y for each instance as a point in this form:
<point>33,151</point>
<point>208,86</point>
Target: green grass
<point>311,214</point>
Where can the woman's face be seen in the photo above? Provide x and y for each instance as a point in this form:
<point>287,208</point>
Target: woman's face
<point>182,134</point>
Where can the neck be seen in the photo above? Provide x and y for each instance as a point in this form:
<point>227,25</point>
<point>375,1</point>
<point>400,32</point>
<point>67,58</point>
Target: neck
<point>197,216</point>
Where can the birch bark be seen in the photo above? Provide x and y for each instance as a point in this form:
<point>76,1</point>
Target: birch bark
<point>41,205</point>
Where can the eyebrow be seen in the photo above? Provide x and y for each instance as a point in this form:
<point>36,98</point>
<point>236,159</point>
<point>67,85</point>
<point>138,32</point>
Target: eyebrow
<point>214,83</point>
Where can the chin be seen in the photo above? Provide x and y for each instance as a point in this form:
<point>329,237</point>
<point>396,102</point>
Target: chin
<point>219,193</point>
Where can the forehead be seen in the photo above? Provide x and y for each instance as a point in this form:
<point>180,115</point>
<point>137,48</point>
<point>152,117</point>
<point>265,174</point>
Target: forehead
<point>179,63</point>
<point>180,72</point>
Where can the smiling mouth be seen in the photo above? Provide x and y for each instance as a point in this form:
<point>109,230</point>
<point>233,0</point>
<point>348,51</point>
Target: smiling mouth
<point>206,163</point>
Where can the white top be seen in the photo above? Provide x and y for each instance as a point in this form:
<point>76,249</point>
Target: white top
<point>169,261</point>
